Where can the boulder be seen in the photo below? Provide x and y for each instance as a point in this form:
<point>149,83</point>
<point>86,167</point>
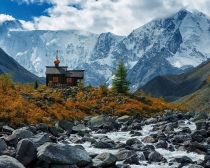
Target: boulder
<point>9,162</point>
<point>195,166</point>
<point>66,125</point>
<point>133,141</point>
<point>42,127</point>
<point>63,154</point>
<point>177,139</point>
<point>149,139</point>
<point>122,166</point>
<point>132,160</point>
<point>40,138</point>
<point>155,157</point>
<point>104,160</point>
<point>201,124</point>
<point>80,128</point>
<point>124,154</point>
<point>3,145</point>
<point>184,160</point>
<point>22,133</point>
<point>26,151</point>
<point>162,144</point>
<point>7,129</point>
<point>104,142</point>
<point>103,122</point>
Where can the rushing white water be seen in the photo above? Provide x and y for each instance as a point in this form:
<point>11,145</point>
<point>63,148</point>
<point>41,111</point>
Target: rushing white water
<point>146,130</point>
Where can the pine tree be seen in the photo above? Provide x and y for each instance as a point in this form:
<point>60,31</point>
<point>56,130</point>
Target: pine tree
<point>36,85</point>
<point>120,83</point>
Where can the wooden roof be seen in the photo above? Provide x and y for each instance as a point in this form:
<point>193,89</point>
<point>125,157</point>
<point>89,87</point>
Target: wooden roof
<point>56,70</point>
<point>62,70</point>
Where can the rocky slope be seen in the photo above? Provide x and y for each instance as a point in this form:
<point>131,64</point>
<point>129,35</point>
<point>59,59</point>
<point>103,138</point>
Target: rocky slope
<point>177,86</point>
<point>18,73</point>
<point>163,46</point>
<point>198,100</point>
<point>175,140</point>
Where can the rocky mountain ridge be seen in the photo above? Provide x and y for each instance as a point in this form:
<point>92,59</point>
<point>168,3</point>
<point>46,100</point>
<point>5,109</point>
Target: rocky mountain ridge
<point>168,45</point>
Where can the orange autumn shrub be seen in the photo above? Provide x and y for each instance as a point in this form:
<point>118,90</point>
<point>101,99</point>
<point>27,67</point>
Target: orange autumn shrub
<point>22,104</point>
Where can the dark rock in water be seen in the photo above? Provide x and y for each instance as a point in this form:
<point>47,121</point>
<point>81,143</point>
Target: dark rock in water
<point>186,130</point>
<point>201,124</point>
<point>80,128</point>
<point>63,154</point>
<point>3,145</point>
<point>22,133</point>
<point>11,140</point>
<point>42,127</point>
<point>104,160</point>
<point>184,160</point>
<point>135,133</point>
<point>7,128</point>
<point>156,157</point>
<point>26,151</point>
<point>196,147</point>
<point>147,149</point>
<point>55,131</point>
<point>199,135</point>
<point>104,142</point>
<point>162,144</point>
<point>74,138</point>
<point>195,166</point>
<point>103,145</point>
<point>136,126</point>
<point>9,162</point>
<point>122,166</point>
<point>66,125</point>
<point>149,139</point>
<point>177,139</point>
<point>103,122</point>
<point>123,154</point>
<point>40,138</point>
<point>133,141</point>
<point>132,160</point>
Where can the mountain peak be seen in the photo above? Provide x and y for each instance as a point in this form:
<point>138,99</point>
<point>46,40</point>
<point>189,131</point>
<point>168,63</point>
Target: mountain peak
<point>10,24</point>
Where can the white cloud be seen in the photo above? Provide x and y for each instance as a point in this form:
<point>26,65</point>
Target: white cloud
<point>4,17</point>
<point>117,16</point>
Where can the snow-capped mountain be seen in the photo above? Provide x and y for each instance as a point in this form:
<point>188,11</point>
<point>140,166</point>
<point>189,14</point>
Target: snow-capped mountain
<point>163,46</point>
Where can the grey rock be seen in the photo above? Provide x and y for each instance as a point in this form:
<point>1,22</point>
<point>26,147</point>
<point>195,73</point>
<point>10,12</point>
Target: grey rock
<point>133,141</point>
<point>162,144</point>
<point>104,160</point>
<point>124,154</point>
<point>40,138</point>
<point>156,157</point>
<point>26,151</point>
<point>9,162</point>
<point>3,145</point>
<point>63,154</point>
<point>66,125</point>
<point>22,133</point>
<point>149,139</point>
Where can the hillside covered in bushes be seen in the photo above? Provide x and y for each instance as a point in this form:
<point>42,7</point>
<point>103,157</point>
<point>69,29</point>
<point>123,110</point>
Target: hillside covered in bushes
<point>24,104</point>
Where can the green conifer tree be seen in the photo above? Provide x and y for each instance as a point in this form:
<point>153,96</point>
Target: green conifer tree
<point>120,83</point>
<point>36,85</point>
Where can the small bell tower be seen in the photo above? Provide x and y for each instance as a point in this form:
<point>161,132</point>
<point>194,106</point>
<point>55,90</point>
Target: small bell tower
<point>56,62</point>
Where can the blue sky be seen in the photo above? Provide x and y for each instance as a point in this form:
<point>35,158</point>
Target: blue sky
<point>97,16</point>
<point>23,11</point>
